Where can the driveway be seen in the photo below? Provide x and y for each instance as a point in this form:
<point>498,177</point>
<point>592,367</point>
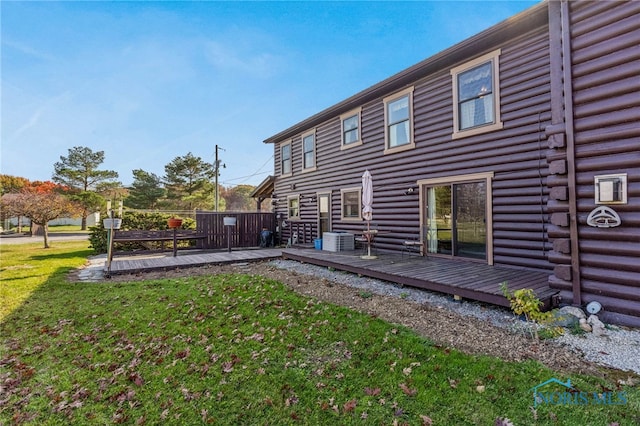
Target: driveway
<point>57,236</point>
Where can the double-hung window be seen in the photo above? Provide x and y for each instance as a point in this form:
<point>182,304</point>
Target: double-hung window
<point>293,207</point>
<point>350,123</point>
<point>351,204</point>
<point>285,159</point>
<point>398,113</point>
<point>309,151</point>
<point>476,90</point>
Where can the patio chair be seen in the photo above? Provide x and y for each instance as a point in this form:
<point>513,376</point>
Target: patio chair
<point>360,243</point>
<point>412,246</point>
<point>415,245</point>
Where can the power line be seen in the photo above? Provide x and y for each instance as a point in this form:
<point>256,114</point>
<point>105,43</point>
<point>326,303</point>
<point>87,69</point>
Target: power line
<point>256,173</point>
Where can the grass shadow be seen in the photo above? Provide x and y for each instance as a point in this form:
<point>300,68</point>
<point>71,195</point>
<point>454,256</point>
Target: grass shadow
<point>63,255</point>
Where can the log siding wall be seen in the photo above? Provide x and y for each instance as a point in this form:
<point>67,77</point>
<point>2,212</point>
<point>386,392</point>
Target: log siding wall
<point>605,59</point>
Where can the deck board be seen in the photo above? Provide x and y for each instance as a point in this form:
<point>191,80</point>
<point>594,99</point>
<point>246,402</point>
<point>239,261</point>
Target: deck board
<point>470,280</point>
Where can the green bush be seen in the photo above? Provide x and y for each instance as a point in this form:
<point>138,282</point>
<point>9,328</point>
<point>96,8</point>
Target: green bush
<point>133,221</point>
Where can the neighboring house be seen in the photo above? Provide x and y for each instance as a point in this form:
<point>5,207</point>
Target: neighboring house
<point>92,220</point>
<point>499,149</point>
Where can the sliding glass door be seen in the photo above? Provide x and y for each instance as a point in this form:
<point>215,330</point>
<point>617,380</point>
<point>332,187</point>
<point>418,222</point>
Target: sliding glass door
<point>456,219</point>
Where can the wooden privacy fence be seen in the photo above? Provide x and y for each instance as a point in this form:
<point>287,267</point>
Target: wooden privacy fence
<point>246,232</point>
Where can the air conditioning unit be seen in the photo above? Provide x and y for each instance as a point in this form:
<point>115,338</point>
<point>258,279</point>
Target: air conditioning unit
<point>337,241</point>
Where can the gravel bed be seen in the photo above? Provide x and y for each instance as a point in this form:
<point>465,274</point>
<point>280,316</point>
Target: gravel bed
<point>619,349</point>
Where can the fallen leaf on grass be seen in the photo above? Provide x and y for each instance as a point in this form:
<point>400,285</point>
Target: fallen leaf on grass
<point>407,390</point>
<point>349,406</point>
<point>629,382</point>
<point>372,392</point>
<point>183,354</point>
<point>136,379</point>
<point>291,401</point>
<point>426,420</point>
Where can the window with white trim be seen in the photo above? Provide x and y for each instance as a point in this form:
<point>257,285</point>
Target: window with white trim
<point>476,92</point>
<point>293,206</point>
<point>285,159</point>
<point>398,118</point>
<point>350,123</point>
<point>309,151</point>
<point>351,204</point>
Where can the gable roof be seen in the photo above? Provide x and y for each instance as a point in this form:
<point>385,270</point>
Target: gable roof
<point>528,20</point>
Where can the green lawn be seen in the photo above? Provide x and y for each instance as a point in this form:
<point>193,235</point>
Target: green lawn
<point>65,228</point>
<point>24,268</point>
<point>243,350</point>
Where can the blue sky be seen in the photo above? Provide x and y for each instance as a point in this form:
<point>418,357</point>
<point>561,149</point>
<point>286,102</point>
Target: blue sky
<point>146,82</point>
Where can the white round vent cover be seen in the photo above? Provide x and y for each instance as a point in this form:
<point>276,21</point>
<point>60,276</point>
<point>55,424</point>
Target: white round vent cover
<point>594,307</point>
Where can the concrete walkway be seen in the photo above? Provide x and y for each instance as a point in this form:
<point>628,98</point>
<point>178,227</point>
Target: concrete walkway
<point>97,268</point>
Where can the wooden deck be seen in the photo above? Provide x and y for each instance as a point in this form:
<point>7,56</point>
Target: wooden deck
<point>162,261</point>
<point>469,280</point>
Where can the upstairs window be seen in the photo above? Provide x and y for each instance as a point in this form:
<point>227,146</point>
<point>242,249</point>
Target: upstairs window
<point>476,96</point>
<point>398,115</point>
<point>309,151</point>
<point>285,159</point>
<point>351,129</point>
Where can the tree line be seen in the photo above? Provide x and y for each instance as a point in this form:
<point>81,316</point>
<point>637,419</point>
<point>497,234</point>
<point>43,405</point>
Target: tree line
<point>79,187</point>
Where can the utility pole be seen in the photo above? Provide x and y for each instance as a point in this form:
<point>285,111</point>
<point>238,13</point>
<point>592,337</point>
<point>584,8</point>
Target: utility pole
<point>217,169</point>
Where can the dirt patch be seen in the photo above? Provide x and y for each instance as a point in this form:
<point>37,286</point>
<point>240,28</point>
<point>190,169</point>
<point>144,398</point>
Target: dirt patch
<point>442,326</point>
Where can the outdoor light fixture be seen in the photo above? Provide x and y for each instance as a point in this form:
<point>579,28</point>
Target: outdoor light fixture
<point>409,191</point>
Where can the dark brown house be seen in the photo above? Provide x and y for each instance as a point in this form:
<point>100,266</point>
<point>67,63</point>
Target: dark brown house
<point>517,147</point>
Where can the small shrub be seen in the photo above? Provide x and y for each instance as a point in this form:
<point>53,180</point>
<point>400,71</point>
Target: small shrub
<point>524,302</point>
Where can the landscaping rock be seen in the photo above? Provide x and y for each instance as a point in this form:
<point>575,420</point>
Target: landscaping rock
<point>564,319</point>
<point>572,310</point>
<point>597,326</point>
<point>583,325</point>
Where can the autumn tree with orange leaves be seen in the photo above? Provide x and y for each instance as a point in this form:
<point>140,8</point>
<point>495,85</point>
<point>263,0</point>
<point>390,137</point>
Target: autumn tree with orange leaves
<point>40,202</point>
